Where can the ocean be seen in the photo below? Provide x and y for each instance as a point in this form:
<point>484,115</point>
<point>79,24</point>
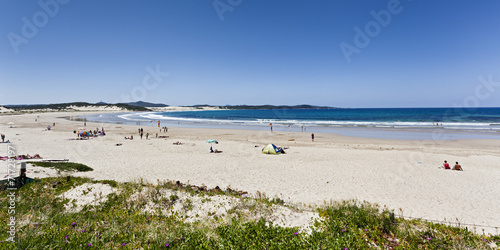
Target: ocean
<point>417,123</point>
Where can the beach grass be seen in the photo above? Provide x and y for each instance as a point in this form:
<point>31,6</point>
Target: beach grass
<point>121,221</point>
<point>62,166</point>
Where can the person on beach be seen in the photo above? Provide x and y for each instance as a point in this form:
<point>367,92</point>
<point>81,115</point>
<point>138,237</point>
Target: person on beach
<point>147,135</point>
<point>457,167</point>
<point>3,138</point>
<point>312,137</point>
<point>446,165</point>
<point>141,135</point>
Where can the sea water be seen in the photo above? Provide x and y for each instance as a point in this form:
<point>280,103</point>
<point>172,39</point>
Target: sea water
<point>391,123</point>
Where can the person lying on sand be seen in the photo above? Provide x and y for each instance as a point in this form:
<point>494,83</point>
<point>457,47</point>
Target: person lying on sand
<point>178,143</point>
<point>457,167</point>
<point>217,151</point>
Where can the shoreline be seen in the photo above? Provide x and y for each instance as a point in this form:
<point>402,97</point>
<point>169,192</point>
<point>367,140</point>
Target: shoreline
<point>396,173</point>
<point>383,132</point>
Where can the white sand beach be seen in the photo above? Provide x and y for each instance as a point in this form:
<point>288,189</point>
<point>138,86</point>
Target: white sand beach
<point>402,175</point>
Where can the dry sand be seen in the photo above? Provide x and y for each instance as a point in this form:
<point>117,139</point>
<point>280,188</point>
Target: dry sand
<point>402,175</point>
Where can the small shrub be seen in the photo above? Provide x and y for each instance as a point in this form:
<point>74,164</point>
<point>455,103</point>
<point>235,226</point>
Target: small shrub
<point>63,166</point>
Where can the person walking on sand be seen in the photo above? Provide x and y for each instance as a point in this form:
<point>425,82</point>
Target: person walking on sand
<point>457,167</point>
<point>147,135</point>
<point>141,135</point>
<point>312,137</point>
<point>3,138</point>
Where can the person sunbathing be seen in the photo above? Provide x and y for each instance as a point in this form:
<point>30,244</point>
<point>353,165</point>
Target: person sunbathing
<point>446,165</point>
<point>457,167</point>
<point>217,151</point>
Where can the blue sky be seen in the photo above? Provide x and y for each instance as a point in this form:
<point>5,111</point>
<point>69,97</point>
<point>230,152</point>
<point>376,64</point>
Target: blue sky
<point>429,54</point>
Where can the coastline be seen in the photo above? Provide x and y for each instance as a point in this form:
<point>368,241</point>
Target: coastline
<point>396,173</point>
<point>353,129</point>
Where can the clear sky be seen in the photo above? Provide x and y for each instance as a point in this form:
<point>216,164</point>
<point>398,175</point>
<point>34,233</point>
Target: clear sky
<point>409,53</point>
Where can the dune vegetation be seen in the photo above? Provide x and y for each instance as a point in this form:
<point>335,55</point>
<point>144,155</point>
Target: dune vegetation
<point>139,215</point>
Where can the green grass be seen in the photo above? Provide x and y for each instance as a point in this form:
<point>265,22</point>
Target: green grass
<point>346,224</point>
<point>63,166</point>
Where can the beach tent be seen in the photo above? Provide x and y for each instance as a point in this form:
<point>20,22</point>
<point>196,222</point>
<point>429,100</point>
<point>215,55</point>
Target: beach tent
<point>272,149</point>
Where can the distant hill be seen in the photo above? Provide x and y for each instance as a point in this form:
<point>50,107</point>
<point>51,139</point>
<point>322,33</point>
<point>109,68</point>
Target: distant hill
<point>61,106</point>
<point>303,106</point>
<point>146,104</point>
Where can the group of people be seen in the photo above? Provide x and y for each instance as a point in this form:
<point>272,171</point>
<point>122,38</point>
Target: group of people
<point>97,132</point>
<point>456,167</point>
<point>91,133</point>
<point>141,133</point>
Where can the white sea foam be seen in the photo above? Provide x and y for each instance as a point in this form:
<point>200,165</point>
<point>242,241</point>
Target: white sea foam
<point>147,116</point>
